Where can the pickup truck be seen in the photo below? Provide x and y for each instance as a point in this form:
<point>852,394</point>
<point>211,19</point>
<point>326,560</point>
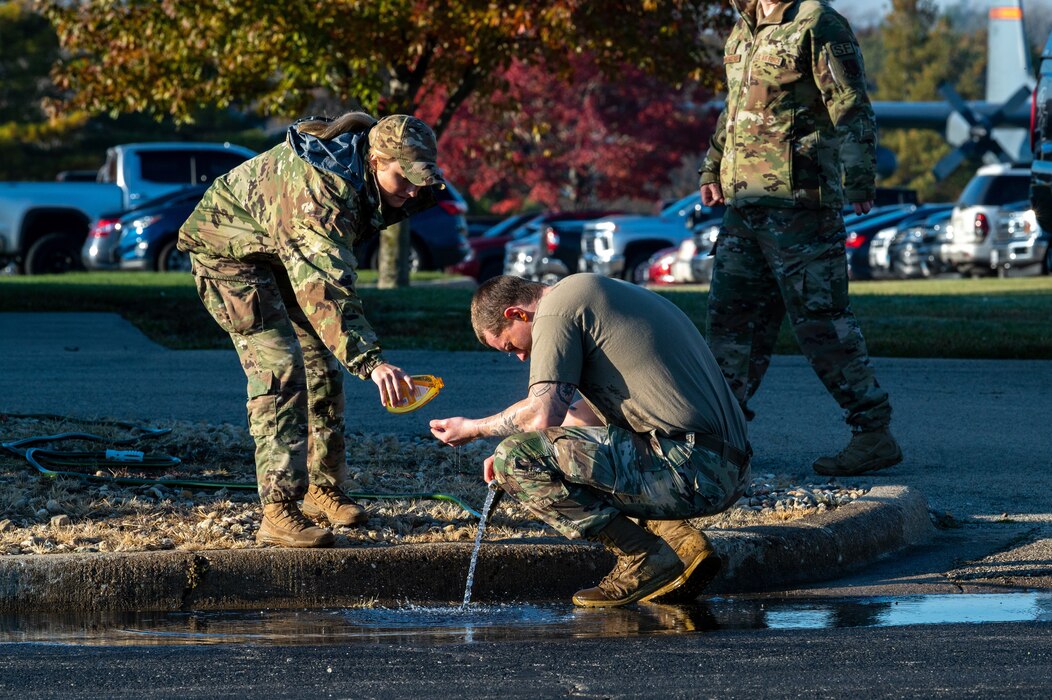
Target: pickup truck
<point>43,225</point>
<point>621,246</point>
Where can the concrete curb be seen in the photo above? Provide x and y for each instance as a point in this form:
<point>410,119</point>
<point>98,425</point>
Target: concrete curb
<point>887,519</point>
<point>764,558</point>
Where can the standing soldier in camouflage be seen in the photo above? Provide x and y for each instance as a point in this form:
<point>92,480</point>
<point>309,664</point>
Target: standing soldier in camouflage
<point>658,435</point>
<point>796,138</point>
<point>271,244</point>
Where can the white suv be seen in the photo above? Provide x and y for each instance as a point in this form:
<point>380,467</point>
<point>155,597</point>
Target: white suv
<point>975,225</point>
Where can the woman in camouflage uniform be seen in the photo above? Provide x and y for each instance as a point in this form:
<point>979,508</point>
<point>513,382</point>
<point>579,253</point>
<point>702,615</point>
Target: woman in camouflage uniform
<point>272,249</point>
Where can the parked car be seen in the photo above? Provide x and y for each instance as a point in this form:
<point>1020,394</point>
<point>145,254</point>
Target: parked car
<point>43,225</point>
<point>880,263</point>
<point>486,258</point>
<point>438,237</point>
<point>976,215</point>
<point>861,228</point>
<point>912,254</point>
<point>552,248</point>
<point>142,238</point>
<point>703,240</point>
<point>659,267</point>
<point>1019,243</point>
<point>620,246</point>
<point>478,224</point>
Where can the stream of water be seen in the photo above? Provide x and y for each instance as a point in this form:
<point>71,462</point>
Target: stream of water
<point>490,496</point>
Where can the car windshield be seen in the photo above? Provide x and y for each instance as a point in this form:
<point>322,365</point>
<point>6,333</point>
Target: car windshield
<point>879,215</point>
<point>508,225</point>
<point>681,207</point>
<point>995,190</point>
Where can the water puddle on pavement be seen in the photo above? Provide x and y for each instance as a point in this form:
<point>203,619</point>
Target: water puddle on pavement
<point>455,624</point>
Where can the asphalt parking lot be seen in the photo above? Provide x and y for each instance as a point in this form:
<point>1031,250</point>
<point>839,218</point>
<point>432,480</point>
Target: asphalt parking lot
<point>972,430</point>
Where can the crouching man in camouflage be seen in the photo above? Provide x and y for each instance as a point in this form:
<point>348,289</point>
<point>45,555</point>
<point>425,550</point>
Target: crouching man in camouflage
<point>271,244</point>
<point>658,435</point>
<point>797,138</point>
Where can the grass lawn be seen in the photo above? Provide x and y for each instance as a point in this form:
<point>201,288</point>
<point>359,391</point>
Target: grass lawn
<point>952,318</point>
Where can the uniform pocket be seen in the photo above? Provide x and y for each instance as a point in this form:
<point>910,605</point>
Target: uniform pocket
<point>824,283</point>
<point>669,453</point>
<point>262,415</point>
<point>233,304</point>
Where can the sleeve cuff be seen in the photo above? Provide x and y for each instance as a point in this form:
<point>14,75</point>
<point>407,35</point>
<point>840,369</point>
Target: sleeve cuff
<point>365,367</point>
<point>860,195</point>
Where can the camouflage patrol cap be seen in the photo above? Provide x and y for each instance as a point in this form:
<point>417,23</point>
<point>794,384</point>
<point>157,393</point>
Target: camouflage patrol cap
<point>410,142</point>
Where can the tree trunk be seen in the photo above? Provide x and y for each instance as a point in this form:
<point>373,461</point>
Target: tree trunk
<point>393,266</point>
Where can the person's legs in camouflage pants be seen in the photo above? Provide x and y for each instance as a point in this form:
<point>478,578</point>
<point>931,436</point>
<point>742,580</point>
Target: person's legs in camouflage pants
<point>245,301</point>
<point>326,444</point>
<point>801,251</point>
<point>578,480</point>
<point>745,309</point>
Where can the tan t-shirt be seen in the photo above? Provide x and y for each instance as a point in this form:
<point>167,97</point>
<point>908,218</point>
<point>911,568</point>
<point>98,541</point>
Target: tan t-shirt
<point>635,357</point>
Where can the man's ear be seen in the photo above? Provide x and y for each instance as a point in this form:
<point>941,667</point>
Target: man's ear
<point>516,313</point>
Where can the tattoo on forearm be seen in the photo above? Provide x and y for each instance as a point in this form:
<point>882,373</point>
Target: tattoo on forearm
<point>506,423</point>
<point>520,418</point>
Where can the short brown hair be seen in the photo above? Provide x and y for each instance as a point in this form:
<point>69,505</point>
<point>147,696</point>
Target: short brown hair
<point>494,296</point>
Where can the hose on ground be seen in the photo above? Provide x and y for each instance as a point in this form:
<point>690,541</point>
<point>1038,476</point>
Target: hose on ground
<point>58,463</point>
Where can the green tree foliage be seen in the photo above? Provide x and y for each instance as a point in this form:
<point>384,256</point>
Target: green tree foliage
<point>33,147</point>
<point>919,50</point>
<point>28,47</point>
<point>174,56</point>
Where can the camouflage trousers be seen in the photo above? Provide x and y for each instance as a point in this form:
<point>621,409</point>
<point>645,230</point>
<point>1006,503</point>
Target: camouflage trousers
<point>770,261</point>
<point>295,385</point>
<point>579,479</point>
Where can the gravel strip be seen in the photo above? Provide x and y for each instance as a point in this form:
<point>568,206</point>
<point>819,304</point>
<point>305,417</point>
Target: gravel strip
<point>42,515</point>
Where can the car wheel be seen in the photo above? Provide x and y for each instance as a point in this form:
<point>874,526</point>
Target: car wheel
<point>417,257</point>
<point>171,259</point>
<point>53,254</point>
<point>636,268</point>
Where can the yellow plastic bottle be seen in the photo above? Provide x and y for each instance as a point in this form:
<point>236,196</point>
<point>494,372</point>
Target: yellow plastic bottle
<point>424,387</point>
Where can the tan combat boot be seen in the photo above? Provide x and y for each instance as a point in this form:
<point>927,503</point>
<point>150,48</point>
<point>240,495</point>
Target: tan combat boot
<point>284,525</point>
<point>700,561</point>
<point>868,451</point>
<point>645,565</point>
<point>333,503</point>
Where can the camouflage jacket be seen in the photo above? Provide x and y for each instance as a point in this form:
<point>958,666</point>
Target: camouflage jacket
<point>797,122</point>
<point>279,209</point>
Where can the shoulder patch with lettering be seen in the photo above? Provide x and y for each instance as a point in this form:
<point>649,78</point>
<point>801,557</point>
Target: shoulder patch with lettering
<point>844,49</point>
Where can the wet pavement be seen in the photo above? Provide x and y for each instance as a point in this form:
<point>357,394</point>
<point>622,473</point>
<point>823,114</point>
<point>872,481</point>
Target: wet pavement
<point>414,624</point>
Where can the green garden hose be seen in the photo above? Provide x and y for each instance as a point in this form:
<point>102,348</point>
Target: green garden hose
<point>54,463</point>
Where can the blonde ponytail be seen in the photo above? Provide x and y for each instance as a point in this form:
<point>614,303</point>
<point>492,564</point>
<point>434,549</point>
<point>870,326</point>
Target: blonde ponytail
<point>349,121</point>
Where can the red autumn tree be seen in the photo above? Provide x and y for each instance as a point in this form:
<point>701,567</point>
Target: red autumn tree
<point>577,141</point>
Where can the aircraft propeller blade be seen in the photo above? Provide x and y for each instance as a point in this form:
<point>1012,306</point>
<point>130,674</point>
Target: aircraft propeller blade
<point>948,163</point>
